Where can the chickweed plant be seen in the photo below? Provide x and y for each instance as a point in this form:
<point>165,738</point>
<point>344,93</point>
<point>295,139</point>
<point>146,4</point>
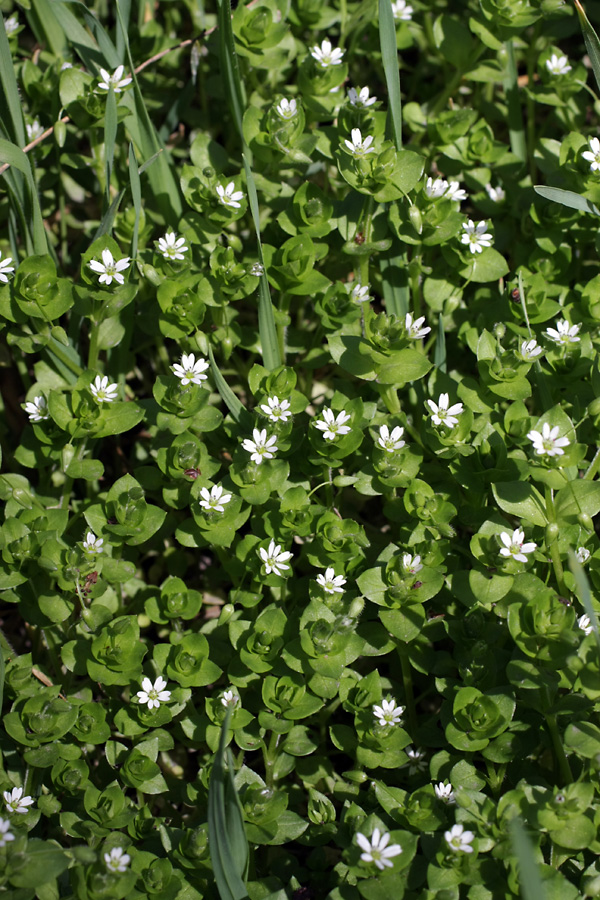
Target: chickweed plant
<point>300,332</point>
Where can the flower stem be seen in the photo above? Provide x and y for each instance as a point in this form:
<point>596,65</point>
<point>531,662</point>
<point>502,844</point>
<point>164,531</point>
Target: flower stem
<point>559,750</point>
<point>93,349</point>
<point>407,684</point>
<point>552,543</point>
<point>389,395</point>
<point>593,467</point>
<point>270,757</point>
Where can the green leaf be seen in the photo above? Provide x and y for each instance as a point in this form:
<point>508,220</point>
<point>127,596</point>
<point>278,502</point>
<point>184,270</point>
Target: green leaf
<point>578,497</point>
<point>583,738</point>
<point>591,40</point>
<point>45,861</point>
<point>519,498</point>
<point>391,68</point>
<point>404,366</point>
<point>234,85</point>
<point>567,198</point>
<point>489,265</point>
<point>233,404</point>
<point>11,154</point>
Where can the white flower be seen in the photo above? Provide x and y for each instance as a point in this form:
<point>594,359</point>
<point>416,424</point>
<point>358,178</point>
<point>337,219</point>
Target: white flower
<point>444,792</point>
<point>496,194</point>
<point>171,246</point>
<point>92,544</point>
<point>548,443</point>
<point>191,370</point>
<point>333,426</point>
<point>326,56</point>
<point>583,554</point>
<point>66,65</point>
<point>276,410</point>
<point>261,447</point>
<point>455,192</point>
<point>274,558</point>
<point>37,409</point>
<point>436,188</point>
<point>593,154</point>
<point>102,391</point>
<point>585,624</point>
<point>330,582</point>
<point>360,293</point>
<point>5,268</point>
<point>391,441</point>
<point>558,65</point>
<point>388,713</point>
<point>514,546</point>
<point>5,834</point>
<point>286,109</point>
<point>154,694</point>
<point>402,10</point>
<point>530,349</point>
<point>110,268</point>
<point>116,860</point>
<point>360,98</point>
<point>411,564</point>
<point>376,850</point>
<point>34,130</point>
<point>230,698</point>
<point>228,196</point>
<point>417,761</point>
<point>564,333</point>
<point>11,24</point>
<point>459,840</point>
<point>116,80</point>
<point>441,414</point>
<point>413,329</point>
<point>257,269</point>
<point>16,802</point>
<point>215,499</point>
<point>476,236</point>
<point>357,146</point>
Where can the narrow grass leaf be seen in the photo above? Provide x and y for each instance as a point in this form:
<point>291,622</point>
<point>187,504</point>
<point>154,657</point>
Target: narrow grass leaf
<point>2,673</point>
<point>592,42</point>
<point>79,39</point>
<point>227,867</point>
<point>11,108</point>
<point>230,71</point>
<point>32,214</point>
<point>126,13</point>
<point>136,196</point>
<point>439,356</point>
<point>233,404</point>
<point>107,221</point>
<point>516,128</point>
<point>395,284</point>
<point>110,137</point>
<point>391,69</point>
<point>46,27</point>
<point>266,316</point>
<point>107,48</point>
<point>529,875</point>
<point>567,198</point>
<point>584,594</point>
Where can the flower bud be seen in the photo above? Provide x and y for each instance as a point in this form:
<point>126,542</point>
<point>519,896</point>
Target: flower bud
<point>416,220</point>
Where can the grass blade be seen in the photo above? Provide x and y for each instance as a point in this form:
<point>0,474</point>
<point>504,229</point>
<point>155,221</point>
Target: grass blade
<point>82,42</point>
<point>230,70</point>
<point>226,836</point>
<point>567,198</point>
<point>389,58</point>
<point>136,196</point>
<point>32,214</point>
<point>107,48</point>
<point>584,594</point>
<point>110,137</point>
<point>439,356</point>
<point>516,128</point>
<point>232,403</point>
<point>529,875</point>
<point>592,42</point>
<point>11,109</point>
<point>46,28</point>
<point>394,279</point>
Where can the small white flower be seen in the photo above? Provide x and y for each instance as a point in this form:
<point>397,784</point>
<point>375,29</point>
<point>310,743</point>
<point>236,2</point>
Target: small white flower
<point>286,109</point>
<point>476,236</point>
<point>593,154</point>
<point>171,246</point>
<point>37,409</point>
<point>376,850</point>
<point>110,268</point>
<point>330,582</point>
<point>116,80</point>
<point>388,713</point>
<point>548,443</point>
<point>360,98</point>
<point>563,333</point>
<point>413,329</point>
<point>230,698</point>
<point>585,624</point>
<point>391,441</point>
<point>274,558</point>
<point>436,188</point>
<point>530,350</point>
<point>228,196</point>
<point>154,694</point>
<point>357,146</point>
<point>215,499</point>
<point>583,554</point>
<point>257,269</point>
<point>276,410</point>
<point>558,65</point>
<point>117,860</point>
<point>34,130</point>
<point>92,544</point>
<point>360,293</point>
<point>402,10</point>
<point>417,760</point>
<point>459,840</point>
<point>496,194</point>
<point>11,24</point>
<point>411,564</point>
<point>16,802</point>
<point>333,426</point>
<point>261,447</point>
<point>444,792</point>
<point>191,370</point>
<point>326,56</point>
<point>5,834</point>
<point>5,268</point>
<point>514,545</point>
<point>441,414</point>
<point>102,391</point>
<point>66,65</point>
<point>455,192</point>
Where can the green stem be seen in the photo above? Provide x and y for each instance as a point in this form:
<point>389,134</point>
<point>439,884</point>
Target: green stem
<point>270,757</point>
<point>593,467</point>
<point>552,532</point>
<point>329,486</point>
<point>93,350</point>
<point>409,695</point>
<point>559,750</point>
<point>367,227</point>
<point>389,395</point>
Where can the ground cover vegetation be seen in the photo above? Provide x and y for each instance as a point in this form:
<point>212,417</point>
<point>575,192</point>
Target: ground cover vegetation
<point>300,318</point>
